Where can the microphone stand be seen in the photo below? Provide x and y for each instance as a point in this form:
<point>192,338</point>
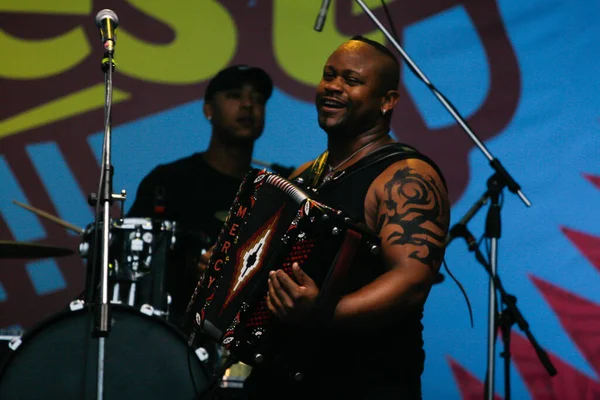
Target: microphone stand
<point>501,174</point>
<point>104,197</point>
<point>510,313</point>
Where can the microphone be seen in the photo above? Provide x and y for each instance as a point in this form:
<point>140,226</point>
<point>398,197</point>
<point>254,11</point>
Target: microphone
<point>322,15</point>
<point>466,218</point>
<point>461,230</point>
<point>108,21</point>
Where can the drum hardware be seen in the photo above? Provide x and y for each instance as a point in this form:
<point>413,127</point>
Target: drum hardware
<point>149,310</point>
<point>76,305</point>
<point>13,341</point>
<point>202,354</point>
<point>10,340</point>
<point>139,252</point>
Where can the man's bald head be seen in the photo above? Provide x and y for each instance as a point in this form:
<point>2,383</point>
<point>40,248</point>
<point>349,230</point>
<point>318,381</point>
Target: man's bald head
<point>390,68</point>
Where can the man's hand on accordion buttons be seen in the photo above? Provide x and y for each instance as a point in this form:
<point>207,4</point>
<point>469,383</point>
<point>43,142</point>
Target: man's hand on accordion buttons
<point>291,300</point>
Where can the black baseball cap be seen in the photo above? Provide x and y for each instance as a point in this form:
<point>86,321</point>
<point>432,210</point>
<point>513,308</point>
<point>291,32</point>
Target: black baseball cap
<point>235,76</point>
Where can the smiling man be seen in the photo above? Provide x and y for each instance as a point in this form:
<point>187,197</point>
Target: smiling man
<point>372,348</point>
<point>191,190</point>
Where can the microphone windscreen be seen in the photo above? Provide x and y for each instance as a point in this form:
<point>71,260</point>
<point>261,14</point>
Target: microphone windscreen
<point>106,13</point>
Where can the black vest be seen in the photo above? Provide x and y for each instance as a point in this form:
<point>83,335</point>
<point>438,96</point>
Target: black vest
<point>395,351</point>
<point>383,363</point>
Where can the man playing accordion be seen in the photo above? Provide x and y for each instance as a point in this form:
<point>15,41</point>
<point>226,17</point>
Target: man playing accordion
<point>371,346</point>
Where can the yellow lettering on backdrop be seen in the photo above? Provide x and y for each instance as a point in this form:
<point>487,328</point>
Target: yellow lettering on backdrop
<point>88,99</point>
<point>205,42</point>
<point>298,48</point>
<point>62,7</point>
<point>37,59</point>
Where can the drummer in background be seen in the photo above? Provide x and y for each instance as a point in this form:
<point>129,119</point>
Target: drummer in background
<point>191,190</point>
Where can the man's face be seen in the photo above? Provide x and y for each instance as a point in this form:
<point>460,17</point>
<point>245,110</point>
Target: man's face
<point>349,96</point>
<point>237,114</point>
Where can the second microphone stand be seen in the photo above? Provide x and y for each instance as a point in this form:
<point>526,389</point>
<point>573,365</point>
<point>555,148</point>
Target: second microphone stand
<point>510,314</point>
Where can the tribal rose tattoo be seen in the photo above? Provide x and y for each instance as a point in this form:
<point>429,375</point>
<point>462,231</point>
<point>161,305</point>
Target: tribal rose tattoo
<point>416,206</point>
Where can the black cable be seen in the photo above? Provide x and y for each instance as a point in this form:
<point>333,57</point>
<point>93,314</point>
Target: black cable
<point>462,289</point>
<point>390,21</point>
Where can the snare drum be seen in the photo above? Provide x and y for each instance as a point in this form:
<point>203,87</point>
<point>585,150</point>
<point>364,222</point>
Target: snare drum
<point>145,358</point>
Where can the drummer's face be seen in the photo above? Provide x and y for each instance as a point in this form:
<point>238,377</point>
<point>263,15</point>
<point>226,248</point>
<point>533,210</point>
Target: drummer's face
<point>238,113</point>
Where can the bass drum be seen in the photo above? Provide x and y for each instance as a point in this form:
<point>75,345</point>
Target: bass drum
<point>145,358</point>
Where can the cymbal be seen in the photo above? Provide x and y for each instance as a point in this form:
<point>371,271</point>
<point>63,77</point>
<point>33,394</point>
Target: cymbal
<point>12,249</point>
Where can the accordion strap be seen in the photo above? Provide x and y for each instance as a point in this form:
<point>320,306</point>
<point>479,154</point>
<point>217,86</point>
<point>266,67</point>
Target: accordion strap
<point>317,168</point>
<point>384,155</point>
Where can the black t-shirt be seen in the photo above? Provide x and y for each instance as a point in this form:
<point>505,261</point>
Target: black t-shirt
<point>189,192</point>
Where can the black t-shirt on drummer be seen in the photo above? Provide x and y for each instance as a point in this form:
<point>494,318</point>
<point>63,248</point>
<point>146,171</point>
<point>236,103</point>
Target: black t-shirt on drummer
<point>189,192</point>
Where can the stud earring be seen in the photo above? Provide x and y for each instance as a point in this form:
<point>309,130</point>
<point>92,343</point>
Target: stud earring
<point>209,118</point>
<point>383,112</point>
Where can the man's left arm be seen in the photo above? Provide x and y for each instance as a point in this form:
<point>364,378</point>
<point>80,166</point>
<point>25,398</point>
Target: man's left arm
<point>408,206</point>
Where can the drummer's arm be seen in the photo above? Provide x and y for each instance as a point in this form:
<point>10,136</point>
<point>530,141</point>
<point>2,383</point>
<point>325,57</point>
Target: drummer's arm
<point>409,208</point>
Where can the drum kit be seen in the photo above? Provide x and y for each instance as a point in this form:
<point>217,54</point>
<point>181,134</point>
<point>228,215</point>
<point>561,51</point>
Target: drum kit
<point>146,353</point>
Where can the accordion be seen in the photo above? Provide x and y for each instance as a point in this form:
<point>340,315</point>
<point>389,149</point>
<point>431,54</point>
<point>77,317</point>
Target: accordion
<point>272,224</point>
